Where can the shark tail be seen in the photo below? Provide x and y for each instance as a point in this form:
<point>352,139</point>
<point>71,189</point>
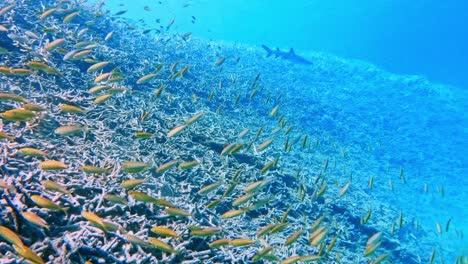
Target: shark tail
<point>268,50</point>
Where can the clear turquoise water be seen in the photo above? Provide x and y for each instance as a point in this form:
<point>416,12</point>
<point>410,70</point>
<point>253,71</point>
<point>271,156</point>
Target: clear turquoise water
<point>406,37</point>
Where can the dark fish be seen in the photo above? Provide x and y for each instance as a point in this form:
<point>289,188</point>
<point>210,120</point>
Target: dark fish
<point>121,12</point>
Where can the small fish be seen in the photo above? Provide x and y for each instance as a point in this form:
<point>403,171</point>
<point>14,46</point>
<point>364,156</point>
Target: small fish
<point>46,203</point>
<point>135,166</point>
<point>188,165</point>
<point>103,77</point>
<point>344,189</point>
<point>183,71</point>
<point>170,24</point>
<point>108,36</point>
<point>116,199</point>
<point>101,99</point>
<point>28,254</point>
<point>65,108</point>
<point>48,13</point>
<point>12,97</point>
<point>6,9</point>
<point>227,148</point>
<point>432,256</point>
<point>94,169</point>
<point>52,165</point>
<point>230,189</point>
<point>31,34</point>
<point>332,244</point>
<point>97,66</point>
<point>94,219</point>
<point>291,260</point>
<point>193,119</point>
<point>173,211</point>
<point>220,61</point>
<point>186,36</point>
<point>439,228</point>
<point>176,130</point>
<point>278,227</point>
<point>264,145</point>
<point>241,242</point>
<point>82,32</point>
<point>274,111</point>
<point>10,236</point>
<point>206,232</point>
<point>121,12</point>
<point>166,166</point>
<point>366,218</point>
<point>53,186</point>
<point>143,135</point>
<point>380,258</point>
<point>143,197</point>
<point>37,65</point>
<point>318,235</point>
<point>32,152</point>
<point>243,199</point>
<point>70,130</point>
<point>21,72</point>
<point>374,239</point>
<point>69,17</point>
<point>164,231</point>
<point>6,136</point>
<point>161,245</point>
<point>147,78</point>
<point>265,230</point>
<point>159,91</point>
<point>213,204</point>
<point>220,243</point>
<point>262,253</point>
<point>35,219</point>
<point>267,167</point>
<point>243,133</point>
<point>18,115</point>
<point>137,241</point>
<point>447,225</point>
<point>209,188</point>
<point>371,249</point>
<point>233,213</point>
<point>130,184</point>
<point>145,116</point>
<point>34,107</point>
<point>293,238</point>
<point>97,89</point>
<point>317,223</point>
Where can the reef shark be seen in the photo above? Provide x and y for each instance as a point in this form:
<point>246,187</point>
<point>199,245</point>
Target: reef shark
<point>290,56</point>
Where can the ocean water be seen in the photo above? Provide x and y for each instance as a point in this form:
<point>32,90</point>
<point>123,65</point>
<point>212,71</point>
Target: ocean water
<point>329,129</point>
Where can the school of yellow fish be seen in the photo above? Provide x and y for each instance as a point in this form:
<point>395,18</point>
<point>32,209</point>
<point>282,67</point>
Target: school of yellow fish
<point>176,204</point>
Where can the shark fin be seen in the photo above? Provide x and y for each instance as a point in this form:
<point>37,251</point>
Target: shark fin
<point>268,50</point>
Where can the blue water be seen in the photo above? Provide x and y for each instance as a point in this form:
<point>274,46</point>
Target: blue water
<point>408,37</point>
<point>415,119</point>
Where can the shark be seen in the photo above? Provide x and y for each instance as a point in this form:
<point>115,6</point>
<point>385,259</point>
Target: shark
<point>290,56</point>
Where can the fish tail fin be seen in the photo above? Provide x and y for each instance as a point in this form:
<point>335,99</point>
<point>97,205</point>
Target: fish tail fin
<point>268,50</point>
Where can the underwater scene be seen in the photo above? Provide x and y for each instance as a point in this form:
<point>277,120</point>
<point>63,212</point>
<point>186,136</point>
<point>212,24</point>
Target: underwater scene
<point>136,132</point>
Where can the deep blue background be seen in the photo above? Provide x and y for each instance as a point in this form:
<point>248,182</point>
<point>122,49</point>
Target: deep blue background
<point>425,37</point>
